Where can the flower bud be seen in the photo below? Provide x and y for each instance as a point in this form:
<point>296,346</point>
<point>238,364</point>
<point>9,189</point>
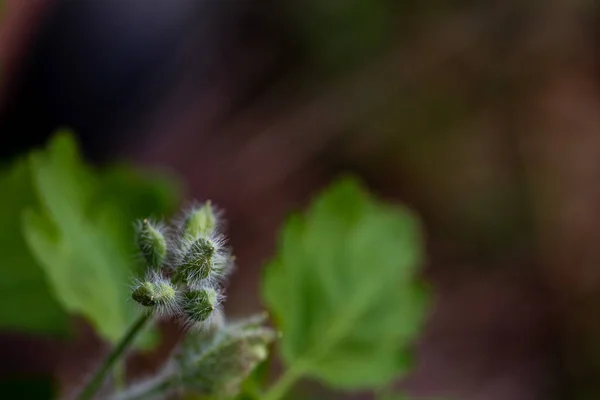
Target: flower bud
<point>144,294</point>
<point>197,262</point>
<point>164,293</point>
<point>152,243</point>
<point>201,221</point>
<point>159,294</point>
<point>200,304</point>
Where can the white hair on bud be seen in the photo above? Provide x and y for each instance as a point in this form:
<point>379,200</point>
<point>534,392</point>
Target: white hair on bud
<point>215,319</point>
<point>221,260</point>
<point>168,297</point>
<point>180,219</point>
<point>163,229</point>
<point>170,305</point>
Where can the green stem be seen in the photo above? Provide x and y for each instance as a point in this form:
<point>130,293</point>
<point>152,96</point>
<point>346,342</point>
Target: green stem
<point>284,383</point>
<point>94,384</point>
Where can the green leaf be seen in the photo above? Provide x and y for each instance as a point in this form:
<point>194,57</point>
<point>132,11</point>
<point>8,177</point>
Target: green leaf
<point>344,291</point>
<point>82,235</point>
<point>29,305</point>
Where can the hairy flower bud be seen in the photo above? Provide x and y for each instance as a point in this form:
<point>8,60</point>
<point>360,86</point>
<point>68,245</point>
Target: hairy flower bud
<point>200,221</point>
<point>157,293</point>
<point>200,304</point>
<point>197,262</point>
<point>152,243</point>
<point>144,294</point>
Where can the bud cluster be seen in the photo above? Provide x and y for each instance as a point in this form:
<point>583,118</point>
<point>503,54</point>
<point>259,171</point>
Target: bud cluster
<point>186,265</point>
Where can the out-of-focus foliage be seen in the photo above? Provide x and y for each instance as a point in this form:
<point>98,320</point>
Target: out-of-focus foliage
<point>343,289</point>
<point>29,303</point>
<point>77,223</point>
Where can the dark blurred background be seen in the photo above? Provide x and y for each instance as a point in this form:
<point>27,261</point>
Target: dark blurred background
<point>482,115</point>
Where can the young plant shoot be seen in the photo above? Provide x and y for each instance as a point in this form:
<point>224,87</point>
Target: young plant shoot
<point>183,282</point>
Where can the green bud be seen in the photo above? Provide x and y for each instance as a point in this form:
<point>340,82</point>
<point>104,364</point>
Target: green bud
<point>161,294</point>
<point>197,262</point>
<point>199,304</point>
<point>164,293</point>
<point>144,294</point>
<point>152,243</point>
<point>201,221</point>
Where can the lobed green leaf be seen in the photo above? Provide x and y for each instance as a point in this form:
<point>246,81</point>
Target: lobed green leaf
<point>81,233</point>
<point>29,304</point>
<point>343,289</point>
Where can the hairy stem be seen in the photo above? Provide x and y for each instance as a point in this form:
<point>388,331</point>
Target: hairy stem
<point>94,384</point>
<point>155,388</point>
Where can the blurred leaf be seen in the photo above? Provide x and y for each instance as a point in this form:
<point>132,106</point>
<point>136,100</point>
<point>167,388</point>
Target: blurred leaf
<point>127,196</point>
<point>29,305</point>
<point>82,235</point>
<point>343,289</point>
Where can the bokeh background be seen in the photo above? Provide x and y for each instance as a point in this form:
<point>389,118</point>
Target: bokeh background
<point>484,116</point>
